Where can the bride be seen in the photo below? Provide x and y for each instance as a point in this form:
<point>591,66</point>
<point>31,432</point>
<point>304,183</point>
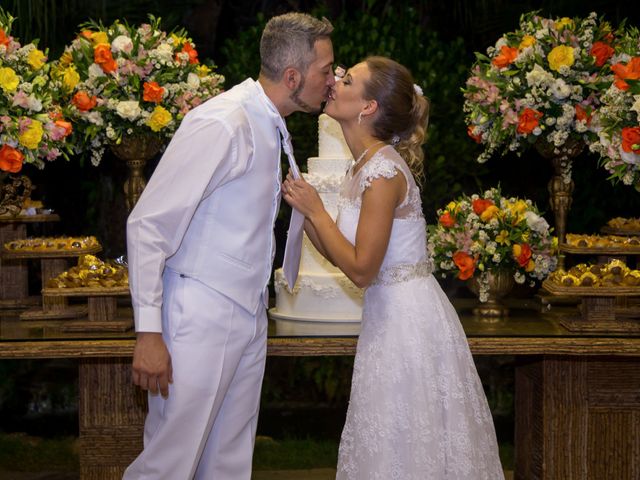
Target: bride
<point>417,409</point>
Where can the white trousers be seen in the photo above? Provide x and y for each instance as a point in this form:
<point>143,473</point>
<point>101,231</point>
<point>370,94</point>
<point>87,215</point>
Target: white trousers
<point>206,428</point>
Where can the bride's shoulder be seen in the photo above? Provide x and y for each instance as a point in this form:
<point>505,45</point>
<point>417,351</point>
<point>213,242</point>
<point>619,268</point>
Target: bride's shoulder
<point>384,164</point>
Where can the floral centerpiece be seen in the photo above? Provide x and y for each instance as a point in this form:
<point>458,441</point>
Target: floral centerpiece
<point>124,81</point>
<point>540,85</point>
<point>32,129</point>
<point>618,119</point>
<point>483,234</point>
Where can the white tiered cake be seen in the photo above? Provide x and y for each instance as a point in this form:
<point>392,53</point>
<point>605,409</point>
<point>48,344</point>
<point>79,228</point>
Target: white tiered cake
<point>324,300</point>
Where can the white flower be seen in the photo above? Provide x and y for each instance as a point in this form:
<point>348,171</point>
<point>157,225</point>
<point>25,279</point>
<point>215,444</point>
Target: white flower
<point>559,89</point>
<point>163,52</point>
<point>535,222</point>
<point>193,81</point>
<point>122,43</point>
<point>636,104</point>
<point>95,71</point>
<point>538,76</point>
<point>129,109</point>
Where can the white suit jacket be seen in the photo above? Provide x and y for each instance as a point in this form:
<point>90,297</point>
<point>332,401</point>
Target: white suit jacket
<point>209,208</point>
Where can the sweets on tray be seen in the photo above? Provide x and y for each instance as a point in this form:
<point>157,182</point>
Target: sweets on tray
<point>612,274</point>
<point>91,272</point>
<point>620,223</point>
<point>601,241</point>
<point>52,244</point>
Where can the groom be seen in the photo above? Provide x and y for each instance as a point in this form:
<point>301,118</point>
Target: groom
<point>200,249</point>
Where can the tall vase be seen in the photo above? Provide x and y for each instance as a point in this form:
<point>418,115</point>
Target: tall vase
<point>136,150</point>
<point>14,190</point>
<point>561,185</point>
<point>500,283</point>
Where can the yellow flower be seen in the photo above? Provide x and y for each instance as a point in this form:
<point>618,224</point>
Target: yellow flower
<point>177,41</point>
<point>99,37</point>
<point>560,56</point>
<point>564,22</point>
<point>489,213</point>
<point>9,81</point>
<point>527,41</point>
<point>202,70</point>
<point>531,266</point>
<point>66,59</point>
<point>158,119</point>
<point>525,237</point>
<point>70,79</point>
<point>36,59</point>
<point>31,137</point>
<point>554,244</point>
<point>503,238</point>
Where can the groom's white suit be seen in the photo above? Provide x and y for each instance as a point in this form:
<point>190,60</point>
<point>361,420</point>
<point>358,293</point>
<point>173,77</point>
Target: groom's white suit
<point>200,249</point>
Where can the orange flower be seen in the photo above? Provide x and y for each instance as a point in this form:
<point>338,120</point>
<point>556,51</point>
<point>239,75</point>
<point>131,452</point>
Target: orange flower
<point>446,220</point>
<point>471,132</point>
<point>522,254</point>
<point>490,213</point>
<point>4,40</point>
<point>83,101</point>
<point>602,52</point>
<point>506,56</point>
<point>66,125</point>
<point>480,205</point>
<point>193,54</point>
<point>10,159</point>
<point>631,140</point>
<point>582,114</point>
<point>152,92</point>
<point>630,71</point>
<point>102,56</point>
<point>86,34</point>
<point>528,121</point>
<point>465,263</point>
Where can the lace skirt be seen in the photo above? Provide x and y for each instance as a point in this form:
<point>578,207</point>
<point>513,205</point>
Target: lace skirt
<point>417,409</point>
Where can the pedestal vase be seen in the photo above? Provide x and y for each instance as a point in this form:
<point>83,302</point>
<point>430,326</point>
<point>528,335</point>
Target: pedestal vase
<point>499,284</point>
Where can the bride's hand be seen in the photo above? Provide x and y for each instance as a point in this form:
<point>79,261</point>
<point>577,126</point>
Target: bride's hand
<point>302,196</point>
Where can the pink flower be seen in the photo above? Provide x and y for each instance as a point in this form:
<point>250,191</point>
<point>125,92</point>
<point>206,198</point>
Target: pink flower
<point>21,99</point>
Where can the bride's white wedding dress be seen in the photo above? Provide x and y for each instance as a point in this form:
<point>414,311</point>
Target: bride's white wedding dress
<point>417,409</point>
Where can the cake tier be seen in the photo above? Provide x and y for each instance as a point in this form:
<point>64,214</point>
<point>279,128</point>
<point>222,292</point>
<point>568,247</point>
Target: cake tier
<point>331,143</point>
<point>328,297</point>
<point>312,261</point>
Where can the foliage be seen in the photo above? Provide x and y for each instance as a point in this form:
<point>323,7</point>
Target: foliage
<point>540,84</point>
<point>437,66</point>
<point>32,129</point>
<point>124,80</point>
<point>480,234</point>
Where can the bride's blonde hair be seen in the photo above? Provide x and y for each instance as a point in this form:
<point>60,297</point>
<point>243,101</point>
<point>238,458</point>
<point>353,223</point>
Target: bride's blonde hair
<point>403,113</point>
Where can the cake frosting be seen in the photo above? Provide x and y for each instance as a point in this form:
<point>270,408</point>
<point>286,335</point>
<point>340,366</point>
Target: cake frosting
<point>323,299</point>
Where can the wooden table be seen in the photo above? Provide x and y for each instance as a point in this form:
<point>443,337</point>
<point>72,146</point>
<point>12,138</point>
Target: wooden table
<point>577,395</point>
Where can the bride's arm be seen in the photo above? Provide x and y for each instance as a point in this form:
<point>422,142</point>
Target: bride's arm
<point>313,236</point>
<point>360,262</point>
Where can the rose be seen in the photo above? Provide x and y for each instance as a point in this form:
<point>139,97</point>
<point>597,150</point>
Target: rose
<point>158,119</point>
<point>102,56</point>
<point>630,71</point>
<point>522,253</point>
<point>480,205</point>
<point>9,81</point>
<point>560,56</point>
<point>601,52</point>
<point>122,43</point>
<point>152,92</point>
<point>36,59</point>
<point>446,220</point>
<point>66,126</point>
<point>32,135</point>
<point>10,159</point>
<point>465,263</point>
<point>129,109</point>
<point>83,102</point>
<point>631,140</point>
<point>506,56</point>
<point>528,120</point>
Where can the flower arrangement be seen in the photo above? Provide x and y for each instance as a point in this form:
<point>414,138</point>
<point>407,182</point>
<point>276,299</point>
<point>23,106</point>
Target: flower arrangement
<point>122,80</point>
<point>540,84</point>
<point>480,234</point>
<point>618,119</point>
<point>32,128</point>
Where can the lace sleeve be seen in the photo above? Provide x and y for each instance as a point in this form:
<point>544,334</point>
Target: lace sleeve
<point>377,167</point>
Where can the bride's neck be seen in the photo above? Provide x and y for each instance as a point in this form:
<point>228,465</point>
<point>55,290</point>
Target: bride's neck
<point>358,139</point>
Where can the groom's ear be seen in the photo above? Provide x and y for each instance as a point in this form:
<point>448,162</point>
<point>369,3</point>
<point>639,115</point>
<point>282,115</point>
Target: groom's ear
<point>291,78</point>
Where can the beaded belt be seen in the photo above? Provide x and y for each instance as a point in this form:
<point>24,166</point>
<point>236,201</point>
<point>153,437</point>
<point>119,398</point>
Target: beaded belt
<point>403,273</point>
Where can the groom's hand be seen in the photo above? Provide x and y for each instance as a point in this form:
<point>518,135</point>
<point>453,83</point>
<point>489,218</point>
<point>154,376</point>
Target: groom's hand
<point>152,364</point>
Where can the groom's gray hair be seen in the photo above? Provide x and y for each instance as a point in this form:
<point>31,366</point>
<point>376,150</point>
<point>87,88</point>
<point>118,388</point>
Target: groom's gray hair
<point>288,41</point>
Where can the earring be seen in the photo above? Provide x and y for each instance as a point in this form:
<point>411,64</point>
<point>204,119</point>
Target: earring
<point>359,118</point>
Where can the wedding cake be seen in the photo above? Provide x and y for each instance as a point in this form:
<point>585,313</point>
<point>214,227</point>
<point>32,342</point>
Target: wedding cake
<point>323,300</point>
